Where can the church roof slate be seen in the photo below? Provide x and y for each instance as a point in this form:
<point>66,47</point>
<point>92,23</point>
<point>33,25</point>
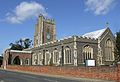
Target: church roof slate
<point>94,34</point>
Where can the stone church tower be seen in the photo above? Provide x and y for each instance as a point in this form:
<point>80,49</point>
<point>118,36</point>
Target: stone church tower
<point>45,31</point>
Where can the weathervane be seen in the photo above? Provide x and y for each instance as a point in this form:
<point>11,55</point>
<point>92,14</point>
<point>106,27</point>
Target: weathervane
<point>107,24</point>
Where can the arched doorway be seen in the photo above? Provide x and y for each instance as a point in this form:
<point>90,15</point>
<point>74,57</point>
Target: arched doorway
<point>16,61</point>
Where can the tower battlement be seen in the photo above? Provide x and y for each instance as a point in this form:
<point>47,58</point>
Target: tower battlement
<point>46,19</point>
<point>45,31</point>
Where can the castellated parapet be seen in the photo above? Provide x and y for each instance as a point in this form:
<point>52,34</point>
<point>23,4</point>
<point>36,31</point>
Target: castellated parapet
<point>70,39</point>
<point>86,39</point>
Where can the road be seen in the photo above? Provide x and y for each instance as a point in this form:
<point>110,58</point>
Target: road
<point>8,76</point>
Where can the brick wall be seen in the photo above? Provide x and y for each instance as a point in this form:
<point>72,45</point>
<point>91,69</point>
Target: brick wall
<point>118,72</point>
<point>106,73</point>
<point>21,55</point>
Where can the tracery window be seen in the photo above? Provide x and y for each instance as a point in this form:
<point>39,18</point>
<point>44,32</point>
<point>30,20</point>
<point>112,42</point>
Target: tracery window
<point>68,56</point>
<point>47,58</point>
<point>87,52</point>
<point>41,59</point>
<point>109,50</point>
<point>35,59</point>
<point>55,56</point>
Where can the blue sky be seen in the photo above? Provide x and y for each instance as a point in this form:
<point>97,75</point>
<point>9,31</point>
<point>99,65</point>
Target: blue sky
<point>73,17</point>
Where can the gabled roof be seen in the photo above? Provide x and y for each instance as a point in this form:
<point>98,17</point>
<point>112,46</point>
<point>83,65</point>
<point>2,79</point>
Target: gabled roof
<point>94,34</point>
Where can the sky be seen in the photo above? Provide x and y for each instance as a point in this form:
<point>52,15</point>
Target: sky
<point>72,17</point>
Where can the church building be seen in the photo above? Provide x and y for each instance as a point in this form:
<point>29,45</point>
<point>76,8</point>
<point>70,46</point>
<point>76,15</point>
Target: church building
<point>70,51</point>
<point>74,50</point>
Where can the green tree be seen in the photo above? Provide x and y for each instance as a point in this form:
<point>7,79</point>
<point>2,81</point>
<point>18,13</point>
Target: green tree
<point>27,43</point>
<point>15,46</point>
<point>21,44</point>
<point>117,48</point>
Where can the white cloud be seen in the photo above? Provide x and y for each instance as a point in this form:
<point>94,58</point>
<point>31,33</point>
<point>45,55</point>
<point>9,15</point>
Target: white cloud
<point>24,11</point>
<point>99,7</point>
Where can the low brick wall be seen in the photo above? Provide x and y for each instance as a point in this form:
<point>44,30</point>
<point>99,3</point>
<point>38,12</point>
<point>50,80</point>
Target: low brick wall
<point>118,73</point>
<point>106,73</point>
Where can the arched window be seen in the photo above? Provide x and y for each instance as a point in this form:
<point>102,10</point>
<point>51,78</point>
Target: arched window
<point>87,52</point>
<point>109,50</point>
<point>26,61</point>
<point>55,56</point>
<point>47,58</point>
<point>35,59</point>
<point>68,56</point>
<point>41,58</point>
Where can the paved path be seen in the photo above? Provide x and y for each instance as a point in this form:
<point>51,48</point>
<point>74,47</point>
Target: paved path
<point>10,76</point>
